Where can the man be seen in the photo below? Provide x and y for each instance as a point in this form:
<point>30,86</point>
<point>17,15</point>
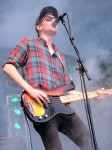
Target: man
<point>42,69</point>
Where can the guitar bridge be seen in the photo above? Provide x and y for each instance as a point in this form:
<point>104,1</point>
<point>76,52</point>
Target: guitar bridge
<point>31,108</point>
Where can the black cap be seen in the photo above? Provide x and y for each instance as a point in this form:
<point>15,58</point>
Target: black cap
<point>45,11</point>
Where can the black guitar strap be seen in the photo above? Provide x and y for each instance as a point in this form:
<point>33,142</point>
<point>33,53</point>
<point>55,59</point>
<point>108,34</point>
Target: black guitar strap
<point>71,81</point>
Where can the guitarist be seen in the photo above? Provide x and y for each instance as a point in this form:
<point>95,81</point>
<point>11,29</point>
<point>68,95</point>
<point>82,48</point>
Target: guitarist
<point>42,69</point>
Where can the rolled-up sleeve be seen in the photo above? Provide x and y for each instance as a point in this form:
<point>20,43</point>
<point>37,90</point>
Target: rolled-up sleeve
<point>18,55</point>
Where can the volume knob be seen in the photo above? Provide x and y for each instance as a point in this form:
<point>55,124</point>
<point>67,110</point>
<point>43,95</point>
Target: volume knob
<point>40,117</point>
<point>45,115</point>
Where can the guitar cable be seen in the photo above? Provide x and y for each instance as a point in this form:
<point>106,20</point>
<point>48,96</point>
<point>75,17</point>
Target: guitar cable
<point>29,131</point>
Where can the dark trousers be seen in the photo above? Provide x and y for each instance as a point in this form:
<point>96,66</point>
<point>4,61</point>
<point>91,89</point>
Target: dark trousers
<point>72,126</point>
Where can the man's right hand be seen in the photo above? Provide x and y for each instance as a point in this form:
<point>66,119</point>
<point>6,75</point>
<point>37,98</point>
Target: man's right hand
<point>39,96</point>
<point>36,94</point>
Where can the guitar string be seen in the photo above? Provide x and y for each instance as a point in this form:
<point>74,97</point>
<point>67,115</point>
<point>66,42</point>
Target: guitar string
<point>56,101</point>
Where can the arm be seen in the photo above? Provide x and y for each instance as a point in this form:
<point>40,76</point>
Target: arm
<point>13,73</point>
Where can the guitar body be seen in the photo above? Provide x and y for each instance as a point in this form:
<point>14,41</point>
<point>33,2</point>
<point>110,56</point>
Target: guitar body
<point>41,114</point>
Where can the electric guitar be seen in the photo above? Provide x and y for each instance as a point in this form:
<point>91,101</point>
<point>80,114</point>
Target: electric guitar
<point>58,98</point>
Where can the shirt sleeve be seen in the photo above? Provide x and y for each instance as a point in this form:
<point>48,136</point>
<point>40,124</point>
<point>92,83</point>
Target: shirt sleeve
<point>18,56</point>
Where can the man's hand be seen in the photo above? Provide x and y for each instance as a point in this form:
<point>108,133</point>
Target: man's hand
<point>102,93</point>
<point>39,96</point>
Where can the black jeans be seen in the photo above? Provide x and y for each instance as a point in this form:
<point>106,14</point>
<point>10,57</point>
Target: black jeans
<point>72,126</point>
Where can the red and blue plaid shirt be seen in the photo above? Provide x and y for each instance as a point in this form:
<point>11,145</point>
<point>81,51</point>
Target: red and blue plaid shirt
<point>39,67</point>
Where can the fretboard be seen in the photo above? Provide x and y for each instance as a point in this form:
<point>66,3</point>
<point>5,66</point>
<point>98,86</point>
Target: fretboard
<point>76,97</point>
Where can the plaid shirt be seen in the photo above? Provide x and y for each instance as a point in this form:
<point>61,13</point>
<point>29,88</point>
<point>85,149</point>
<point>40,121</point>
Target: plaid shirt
<point>39,67</point>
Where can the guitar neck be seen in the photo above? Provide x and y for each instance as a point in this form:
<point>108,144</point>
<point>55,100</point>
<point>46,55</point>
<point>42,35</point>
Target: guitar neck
<point>76,97</point>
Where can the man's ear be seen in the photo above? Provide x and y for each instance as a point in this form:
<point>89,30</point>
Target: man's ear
<point>39,27</point>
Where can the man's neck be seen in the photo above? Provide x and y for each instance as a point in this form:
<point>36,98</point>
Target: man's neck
<point>48,39</point>
<point>49,43</point>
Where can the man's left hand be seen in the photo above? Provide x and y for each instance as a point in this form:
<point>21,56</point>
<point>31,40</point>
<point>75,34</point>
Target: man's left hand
<point>102,93</point>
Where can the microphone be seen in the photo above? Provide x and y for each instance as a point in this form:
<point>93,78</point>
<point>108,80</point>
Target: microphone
<point>57,20</point>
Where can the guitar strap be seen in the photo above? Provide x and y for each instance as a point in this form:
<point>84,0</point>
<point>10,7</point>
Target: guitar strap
<point>71,81</point>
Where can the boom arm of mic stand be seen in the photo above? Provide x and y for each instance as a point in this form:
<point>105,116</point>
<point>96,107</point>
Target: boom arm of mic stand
<point>79,58</point>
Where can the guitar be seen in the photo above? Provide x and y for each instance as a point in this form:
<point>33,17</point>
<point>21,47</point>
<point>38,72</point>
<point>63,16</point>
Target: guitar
<point>58,98</point>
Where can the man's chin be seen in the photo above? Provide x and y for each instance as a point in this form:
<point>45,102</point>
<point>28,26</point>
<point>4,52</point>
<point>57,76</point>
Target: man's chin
<point>53,33</point>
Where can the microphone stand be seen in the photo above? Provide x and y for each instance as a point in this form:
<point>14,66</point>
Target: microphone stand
<point>83,71</point>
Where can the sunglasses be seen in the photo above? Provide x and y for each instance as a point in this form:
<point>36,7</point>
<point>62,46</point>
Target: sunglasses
<point>49,18</point>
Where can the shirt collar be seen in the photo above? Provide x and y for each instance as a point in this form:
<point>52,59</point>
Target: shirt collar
<point>43,42</point>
